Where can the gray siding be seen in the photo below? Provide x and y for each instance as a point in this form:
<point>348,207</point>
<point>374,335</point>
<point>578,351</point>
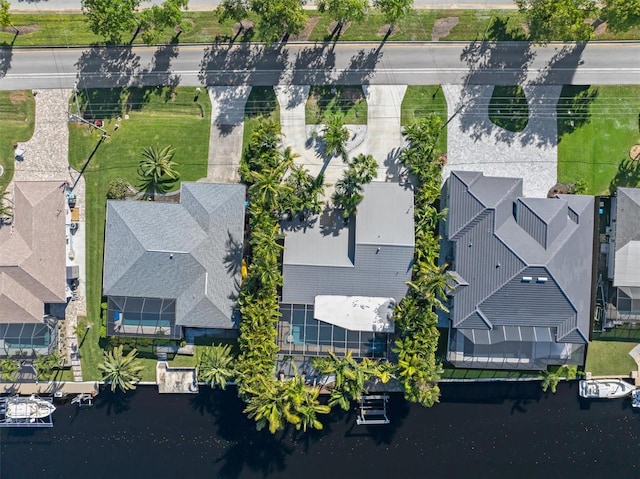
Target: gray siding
<point>531,223</point>
<point>381,273</point>
<point>573,216</point>
<point>463,207</point>
<point>473,321</point>
<point>520,303</point>
<point>478,255</point>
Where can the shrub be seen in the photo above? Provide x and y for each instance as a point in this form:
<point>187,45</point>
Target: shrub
<point>118,189</point>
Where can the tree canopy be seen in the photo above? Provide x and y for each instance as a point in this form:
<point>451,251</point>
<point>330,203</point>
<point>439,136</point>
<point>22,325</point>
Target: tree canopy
<point>344,11</point>
<point>620,15</point>
<point>111,19</point>
<point>393,10</point>
<point>560,20</point>
<point>278,18</point>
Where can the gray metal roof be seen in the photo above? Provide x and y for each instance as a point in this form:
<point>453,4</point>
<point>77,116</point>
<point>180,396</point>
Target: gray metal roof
<point>627,238</point>
<point>527,262</point>
<point>190,252</point>
<point>370,256</point>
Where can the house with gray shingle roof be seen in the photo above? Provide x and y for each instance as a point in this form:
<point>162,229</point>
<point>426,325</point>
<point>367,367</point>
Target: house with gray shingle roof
<point>32,268</point>
<point>522,273</point>
<point>170,266</point>
<point>626,255</point>
<point>341,281</point>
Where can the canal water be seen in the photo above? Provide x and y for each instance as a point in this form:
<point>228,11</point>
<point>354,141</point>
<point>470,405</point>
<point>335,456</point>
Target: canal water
<point>477,431</point>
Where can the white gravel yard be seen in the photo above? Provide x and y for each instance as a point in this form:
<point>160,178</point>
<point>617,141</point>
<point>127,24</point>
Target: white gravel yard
<point>476,144</point>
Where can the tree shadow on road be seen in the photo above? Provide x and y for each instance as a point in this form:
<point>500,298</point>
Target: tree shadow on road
<point>6,55</point>
<point>243,64</point>
<point>159,72</point>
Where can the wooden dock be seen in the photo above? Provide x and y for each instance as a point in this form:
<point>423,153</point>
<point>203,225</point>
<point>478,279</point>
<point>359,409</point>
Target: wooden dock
<point>50,388</point>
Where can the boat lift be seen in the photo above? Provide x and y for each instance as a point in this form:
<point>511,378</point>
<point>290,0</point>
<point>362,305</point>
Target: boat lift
<point>83,400</point>
<point>372,410</point>
<point>23,422</point>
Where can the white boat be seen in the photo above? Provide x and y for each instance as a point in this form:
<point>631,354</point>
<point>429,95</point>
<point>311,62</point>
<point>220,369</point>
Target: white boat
<point>605,388</point>
<point>635,398</point>
<point>28,409</point>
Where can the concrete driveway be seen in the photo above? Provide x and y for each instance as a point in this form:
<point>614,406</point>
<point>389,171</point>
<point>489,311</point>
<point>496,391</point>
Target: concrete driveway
<point>476,144</point>
<point>382,134</point>
<point>227,128</point>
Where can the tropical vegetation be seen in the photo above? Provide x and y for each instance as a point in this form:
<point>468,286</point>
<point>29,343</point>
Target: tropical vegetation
<point>46,364</point>
<point>552,377</point>
<point>416,315</point>
<point>157,169</point>
<point>348,191</point>
<point>270,402</point>
<point>9,367</point>
<point>6,207</point>
<point>215,365</point>
<point>121,370</point>
<point>335,136</point>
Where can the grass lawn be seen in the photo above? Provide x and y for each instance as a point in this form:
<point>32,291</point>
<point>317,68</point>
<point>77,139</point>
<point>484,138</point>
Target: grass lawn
<point>609,357</point>
<point>420,101</point>
<point>327,100</point>
<point>262,103</point>
<point>17,118</point>
<point>162,116</point>
<point>509,108</point>
<point>597,126</point>
<point>203,27</point>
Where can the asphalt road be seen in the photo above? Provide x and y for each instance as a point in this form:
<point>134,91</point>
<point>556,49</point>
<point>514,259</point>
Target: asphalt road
<point>344,63</point>
<point>74,5</point>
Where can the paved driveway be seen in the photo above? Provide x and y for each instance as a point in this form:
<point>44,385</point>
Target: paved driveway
<point>476,144</point>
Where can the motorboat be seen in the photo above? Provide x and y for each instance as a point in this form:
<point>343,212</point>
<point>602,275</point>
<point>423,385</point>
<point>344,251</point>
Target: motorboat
<point>605,388</point>
<point>635,398</point>
<point>28,409</point>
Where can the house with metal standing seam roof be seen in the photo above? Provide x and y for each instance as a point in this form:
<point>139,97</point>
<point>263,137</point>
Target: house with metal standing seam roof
<point>33,288</point>
<point>523,273</point>
<point>174,269</point>
<point>342,281</point>
<point>624,270</point>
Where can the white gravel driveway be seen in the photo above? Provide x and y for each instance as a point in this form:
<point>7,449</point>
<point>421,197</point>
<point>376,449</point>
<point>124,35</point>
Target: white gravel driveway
<point>476,144</point>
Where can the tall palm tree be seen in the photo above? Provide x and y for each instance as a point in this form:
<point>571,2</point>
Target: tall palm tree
<point>157,168</point>
<point>335,136</point>
<point>215,365</point>
<point>267,187</point>
<point>121,371</point>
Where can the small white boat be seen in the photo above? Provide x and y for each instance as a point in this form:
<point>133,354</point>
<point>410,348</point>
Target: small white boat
<point>605,388</point>
<point>28,409</point>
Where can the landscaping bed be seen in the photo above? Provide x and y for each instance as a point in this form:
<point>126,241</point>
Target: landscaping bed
<point>421,101</point>
<point>349,101</point>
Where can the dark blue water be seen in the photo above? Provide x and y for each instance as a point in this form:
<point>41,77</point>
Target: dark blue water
<point>480,430</point>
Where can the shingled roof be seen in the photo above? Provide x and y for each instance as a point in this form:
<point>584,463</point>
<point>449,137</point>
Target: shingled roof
<point>520,262</point>
<point>191,252</point>
<point>370,256</point>
<point>32,252</point>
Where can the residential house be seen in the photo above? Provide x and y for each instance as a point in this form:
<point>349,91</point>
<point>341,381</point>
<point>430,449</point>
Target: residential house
<point>174,269</point>
<point>624,270</point>
<point>33,292</point>
<point>522,274</point>
<point>342,280</point>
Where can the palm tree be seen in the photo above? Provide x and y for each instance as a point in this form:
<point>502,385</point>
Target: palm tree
<point>45,364</point>
<point>8,369</point>
<point>121,371</point>
<point>363,168</point>
<point>157,168</point>
<point>335,136</point>
<point>215,365</point>
<point>6,208</point>
<point>267,187</point>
